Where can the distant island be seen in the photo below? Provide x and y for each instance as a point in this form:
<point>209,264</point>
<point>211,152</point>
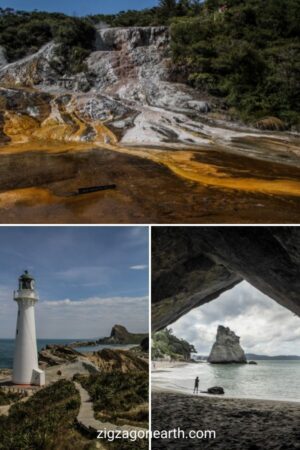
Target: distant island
<point>277,357</point>
<point>254,356</point>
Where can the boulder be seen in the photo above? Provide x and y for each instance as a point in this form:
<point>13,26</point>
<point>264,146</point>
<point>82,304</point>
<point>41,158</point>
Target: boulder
<point>199,106</point>
<point>252,362</point>
<point>3,60</point>
<point>216,390</point>
<point>54,355</point>
<point>227,348</point>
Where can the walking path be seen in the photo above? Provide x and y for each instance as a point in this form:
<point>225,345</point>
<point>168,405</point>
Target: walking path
<point>87,420</point>
<point>4,410</point>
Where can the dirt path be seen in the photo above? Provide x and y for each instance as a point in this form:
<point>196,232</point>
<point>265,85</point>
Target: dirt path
<point>86,418</point>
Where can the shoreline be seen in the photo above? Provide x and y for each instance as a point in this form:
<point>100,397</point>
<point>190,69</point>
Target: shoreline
<point>161,385</point>
<point>163,390</point>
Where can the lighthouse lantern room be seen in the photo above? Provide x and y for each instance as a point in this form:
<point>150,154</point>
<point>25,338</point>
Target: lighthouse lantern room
<point>25,369</point>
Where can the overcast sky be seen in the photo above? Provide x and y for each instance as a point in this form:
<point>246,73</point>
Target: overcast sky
<point>263,325</point>
<point>78,7</point>
<point>88,278</point>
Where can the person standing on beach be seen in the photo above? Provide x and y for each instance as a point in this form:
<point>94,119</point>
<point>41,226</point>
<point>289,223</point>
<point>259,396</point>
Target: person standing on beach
<point>196,385</point>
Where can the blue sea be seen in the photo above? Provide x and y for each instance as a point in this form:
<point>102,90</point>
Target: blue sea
<point>7,348</point>
<point>269,380</point>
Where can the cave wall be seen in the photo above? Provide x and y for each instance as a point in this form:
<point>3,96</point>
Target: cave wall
<point>194,265</point>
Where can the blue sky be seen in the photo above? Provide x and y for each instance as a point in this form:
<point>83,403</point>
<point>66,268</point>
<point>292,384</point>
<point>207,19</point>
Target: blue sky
<point>78,6</point>
<point>88,278</point>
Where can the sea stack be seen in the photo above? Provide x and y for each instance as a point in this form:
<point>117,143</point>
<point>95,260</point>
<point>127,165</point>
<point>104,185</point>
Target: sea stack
<point>25,369</point>
<point>227,348</point>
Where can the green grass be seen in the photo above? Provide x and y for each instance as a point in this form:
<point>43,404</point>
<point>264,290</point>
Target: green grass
<point>45,422</point>
<point>120,398</point>
<point>6,398</point>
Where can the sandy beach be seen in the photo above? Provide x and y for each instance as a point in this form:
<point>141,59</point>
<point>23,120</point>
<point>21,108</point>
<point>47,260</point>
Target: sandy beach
<point>239,424</point>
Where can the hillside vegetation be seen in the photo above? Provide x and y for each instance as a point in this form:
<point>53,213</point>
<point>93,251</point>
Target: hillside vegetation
<point>23,33</point>
<point>7,397</point>
<point>45,421</point>
<point>120,398</point>
<point>245,54</point>
<point>166,344</point>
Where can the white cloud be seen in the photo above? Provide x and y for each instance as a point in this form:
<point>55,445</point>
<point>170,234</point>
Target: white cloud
<point>139,267</point>
<point>94,301</point>
<point>85,318</point>
<point>90,317</point>
<point>264,326</point>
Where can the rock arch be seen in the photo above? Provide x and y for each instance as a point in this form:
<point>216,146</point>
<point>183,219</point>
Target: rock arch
<point>194,265</point>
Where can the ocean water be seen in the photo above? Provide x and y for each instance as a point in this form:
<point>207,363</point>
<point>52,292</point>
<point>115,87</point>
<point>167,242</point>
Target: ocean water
<point>273,380</point>
<point>7,349</point>
<point>95,348</point>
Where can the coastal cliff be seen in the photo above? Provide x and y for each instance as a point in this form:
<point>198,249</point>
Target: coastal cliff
<point>227,348</point>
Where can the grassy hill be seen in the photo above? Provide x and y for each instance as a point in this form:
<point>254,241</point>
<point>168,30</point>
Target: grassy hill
<point>45,421</point>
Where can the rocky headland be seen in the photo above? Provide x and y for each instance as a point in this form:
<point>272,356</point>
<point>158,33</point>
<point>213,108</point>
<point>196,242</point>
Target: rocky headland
<point>227,348</point>
<point>118,335</point>
<point>106,360</point>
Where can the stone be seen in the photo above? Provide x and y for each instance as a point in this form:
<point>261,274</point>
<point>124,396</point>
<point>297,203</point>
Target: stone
<point>200,106</point>
<point>54,355</point>
<point>3,60</point>
<point>252,362</point>
<point>125,81</point>
<point>216,390</point>
<point>192,266</point>
<point>227,348</point>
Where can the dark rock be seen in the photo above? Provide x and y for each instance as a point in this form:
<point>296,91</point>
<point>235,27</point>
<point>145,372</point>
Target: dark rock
<point>145,344</point>
<point>53,355</point>
<point>252,362</point>
<point>216,390</point>
<point>194,265</point>
<point>120,335</point>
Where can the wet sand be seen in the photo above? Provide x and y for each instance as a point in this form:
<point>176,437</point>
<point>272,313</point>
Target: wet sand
<point>240,424</point>
<point>37,183</point>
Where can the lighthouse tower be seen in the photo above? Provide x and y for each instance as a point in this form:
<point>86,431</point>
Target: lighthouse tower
<point>25,369</point>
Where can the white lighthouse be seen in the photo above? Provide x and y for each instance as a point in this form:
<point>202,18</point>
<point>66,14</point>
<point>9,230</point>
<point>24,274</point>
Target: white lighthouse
<point>25,368</point>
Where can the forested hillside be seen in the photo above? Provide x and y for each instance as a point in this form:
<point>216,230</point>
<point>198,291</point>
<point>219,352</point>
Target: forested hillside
<point>246,53</point>
<point>23,33</point>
